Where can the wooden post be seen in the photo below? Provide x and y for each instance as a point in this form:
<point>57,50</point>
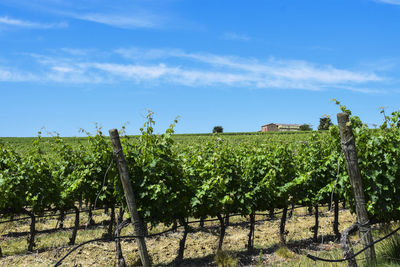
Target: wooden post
<point>316,226</point>
<point>347,249</point>
<point>130,199</point>
<point>76,226</point>
<point>336,216</point>
<point>282,232</point>
<point>350,153</point>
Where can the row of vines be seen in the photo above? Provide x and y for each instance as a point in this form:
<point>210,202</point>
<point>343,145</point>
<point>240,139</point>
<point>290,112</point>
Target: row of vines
<point>214,178</point>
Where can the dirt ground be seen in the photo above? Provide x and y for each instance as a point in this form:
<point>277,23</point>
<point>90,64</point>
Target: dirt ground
<point>201,243</point>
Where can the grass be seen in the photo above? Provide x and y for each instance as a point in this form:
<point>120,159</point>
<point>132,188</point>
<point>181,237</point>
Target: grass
<point>303,261</point>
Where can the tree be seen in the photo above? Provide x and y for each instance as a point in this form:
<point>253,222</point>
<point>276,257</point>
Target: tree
<point>324,123</point>
<point>305,127</point>
<point>218,129</point>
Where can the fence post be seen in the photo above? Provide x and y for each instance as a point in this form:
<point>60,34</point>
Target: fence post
<point>350,153</point>
<point>347,249</point>
<point>130,199</point>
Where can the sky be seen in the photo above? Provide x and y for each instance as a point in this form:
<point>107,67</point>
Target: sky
<point>66,65</point>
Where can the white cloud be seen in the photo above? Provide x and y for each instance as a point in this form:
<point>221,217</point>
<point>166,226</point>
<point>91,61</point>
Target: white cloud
<point>148,54</point>
<point>278,72</point>
<point>137,72</point>
<point>7,75</point>
<point>63,69</point>
<point>56,74</point>
<point>120,21</point>
<point>126,14</point>
<point>175,66</point>
<point>391,2</point>
<point>5,20</point>
<point>235,36</point>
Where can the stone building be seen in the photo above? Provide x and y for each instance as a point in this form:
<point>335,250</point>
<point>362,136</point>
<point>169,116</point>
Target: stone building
<point>280,127</point>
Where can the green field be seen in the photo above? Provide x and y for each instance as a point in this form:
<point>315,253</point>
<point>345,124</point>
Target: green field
<point>22,144</point>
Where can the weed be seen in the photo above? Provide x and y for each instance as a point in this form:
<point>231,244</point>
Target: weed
<point>260,259</point>
<point>284,252</point>
<point>225,259</point>
<point>390,249</point>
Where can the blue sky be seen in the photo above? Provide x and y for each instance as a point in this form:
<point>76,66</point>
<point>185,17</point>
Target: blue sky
<point>65,64</point>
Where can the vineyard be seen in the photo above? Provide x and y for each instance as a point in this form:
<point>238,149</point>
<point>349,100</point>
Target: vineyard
<point>214,181</point>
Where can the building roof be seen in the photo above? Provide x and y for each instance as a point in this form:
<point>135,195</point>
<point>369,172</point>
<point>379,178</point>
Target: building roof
<point>283,124</point>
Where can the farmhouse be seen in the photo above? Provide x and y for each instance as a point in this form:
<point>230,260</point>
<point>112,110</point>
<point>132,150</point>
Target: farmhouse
<point>280,127</point>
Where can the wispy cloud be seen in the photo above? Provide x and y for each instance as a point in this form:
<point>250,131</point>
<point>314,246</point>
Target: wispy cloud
<point>235,36</point>
<point>139,54</point>
<point>174,66</point>
<point>123,21</point>
<point>127,14</point>
<point>5,20</point>
<point>12,75</point>
<point>290,70</point>
<point>391,2</point>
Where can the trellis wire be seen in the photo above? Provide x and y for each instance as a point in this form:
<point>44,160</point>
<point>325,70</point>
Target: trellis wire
<point>315,258</point>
